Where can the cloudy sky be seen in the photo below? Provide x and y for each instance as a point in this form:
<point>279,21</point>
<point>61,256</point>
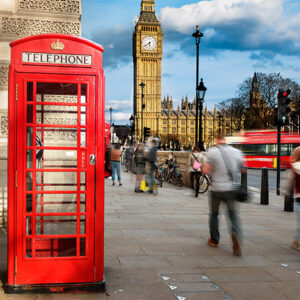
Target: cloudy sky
<point>240,37</point>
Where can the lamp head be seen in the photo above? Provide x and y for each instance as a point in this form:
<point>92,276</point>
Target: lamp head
<point>201,89</point>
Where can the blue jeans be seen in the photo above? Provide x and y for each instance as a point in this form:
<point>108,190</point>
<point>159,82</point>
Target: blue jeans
<point>151,180</point>
<point>115,166</point>
<point>297,237</point>
<point>215,200</point>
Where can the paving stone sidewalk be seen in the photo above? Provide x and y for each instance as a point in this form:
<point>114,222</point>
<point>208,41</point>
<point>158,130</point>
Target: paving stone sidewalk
<point>156,248</point>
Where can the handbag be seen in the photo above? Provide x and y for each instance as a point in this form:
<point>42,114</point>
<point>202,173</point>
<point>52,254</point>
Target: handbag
<point>144,186</point>
<point>240,192</point>
<point>196,165</point>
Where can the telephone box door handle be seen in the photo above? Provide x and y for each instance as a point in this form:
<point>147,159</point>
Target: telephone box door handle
<point>92,159</point>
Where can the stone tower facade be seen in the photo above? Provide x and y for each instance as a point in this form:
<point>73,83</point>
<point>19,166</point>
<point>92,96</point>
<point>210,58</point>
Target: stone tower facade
<point>147,56</point>
<point>18,19</point>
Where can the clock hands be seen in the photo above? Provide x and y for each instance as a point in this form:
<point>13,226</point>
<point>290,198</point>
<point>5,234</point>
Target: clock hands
<point>149,43</point>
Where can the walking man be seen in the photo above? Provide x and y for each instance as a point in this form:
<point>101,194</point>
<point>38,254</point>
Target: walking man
<point>151,164</point>
<point>221,161</point>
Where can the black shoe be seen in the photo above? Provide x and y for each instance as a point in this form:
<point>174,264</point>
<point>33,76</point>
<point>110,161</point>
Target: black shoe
<point>196,195</point>
<point>150,192</point>
<point>236,245</point>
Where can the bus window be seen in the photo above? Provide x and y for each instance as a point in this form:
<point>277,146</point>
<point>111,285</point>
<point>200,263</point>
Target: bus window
<point>285,150</point>
<point>271,149</point>
<point>293,147</point>
<point>254,149</point>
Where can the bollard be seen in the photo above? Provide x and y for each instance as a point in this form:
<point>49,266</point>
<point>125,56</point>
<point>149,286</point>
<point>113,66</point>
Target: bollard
<point>289,200</point>
<point>264,195</point>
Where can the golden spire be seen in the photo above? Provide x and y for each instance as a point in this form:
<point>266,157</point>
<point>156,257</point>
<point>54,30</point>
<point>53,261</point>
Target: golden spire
<point>148,6</point>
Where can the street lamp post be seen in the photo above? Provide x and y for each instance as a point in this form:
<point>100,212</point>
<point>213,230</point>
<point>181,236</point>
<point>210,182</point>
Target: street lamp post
<point>110,110</point>
<point>142,85</point>
<point>201,90</point>
<point>131,119</point>
<point>197,35</point>
<point>112,131</point>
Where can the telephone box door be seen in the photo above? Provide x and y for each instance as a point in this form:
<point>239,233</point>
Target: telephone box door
<point>55,178</point>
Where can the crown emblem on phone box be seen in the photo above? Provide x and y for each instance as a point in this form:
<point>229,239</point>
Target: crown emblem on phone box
<point>57,45</point>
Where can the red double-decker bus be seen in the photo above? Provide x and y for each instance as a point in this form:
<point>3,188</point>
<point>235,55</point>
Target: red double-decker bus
<point>260,147</point>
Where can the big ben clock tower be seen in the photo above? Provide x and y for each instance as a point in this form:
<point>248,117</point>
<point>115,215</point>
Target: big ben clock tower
<point>147,55</point>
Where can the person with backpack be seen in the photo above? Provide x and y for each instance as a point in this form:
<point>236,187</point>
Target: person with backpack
<point>194,163</point>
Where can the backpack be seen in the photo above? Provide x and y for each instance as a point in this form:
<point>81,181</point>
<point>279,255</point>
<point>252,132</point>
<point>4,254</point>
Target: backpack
<point>196,164</point>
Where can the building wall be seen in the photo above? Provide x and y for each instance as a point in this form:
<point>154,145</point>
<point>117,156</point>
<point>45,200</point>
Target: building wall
<point>180,124</point>
<point>18,19</point>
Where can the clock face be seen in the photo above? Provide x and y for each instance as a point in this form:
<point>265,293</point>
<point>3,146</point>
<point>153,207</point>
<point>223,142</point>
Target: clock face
<point>149,42</point>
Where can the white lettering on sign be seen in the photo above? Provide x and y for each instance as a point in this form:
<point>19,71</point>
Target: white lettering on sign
<point>56,58</point>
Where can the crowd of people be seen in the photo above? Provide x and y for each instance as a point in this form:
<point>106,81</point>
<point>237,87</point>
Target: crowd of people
<point>145,162</point>
<point>223,163</point>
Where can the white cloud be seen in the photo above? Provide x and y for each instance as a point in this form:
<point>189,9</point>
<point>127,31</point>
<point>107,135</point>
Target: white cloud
<point>220,12</point>
<point>119,104</point>
<point>119,116</point>
<point>240,25</point>
<point>210,32</point>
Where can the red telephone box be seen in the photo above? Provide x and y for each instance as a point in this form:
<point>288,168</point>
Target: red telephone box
<point>55,165</point>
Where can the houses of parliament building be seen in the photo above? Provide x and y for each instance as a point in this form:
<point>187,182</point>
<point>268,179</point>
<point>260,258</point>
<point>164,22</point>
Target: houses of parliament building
<point>176,124</point>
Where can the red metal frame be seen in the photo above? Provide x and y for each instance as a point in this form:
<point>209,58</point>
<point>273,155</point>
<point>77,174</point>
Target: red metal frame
<point>107,143</point>
<point>85,268</point>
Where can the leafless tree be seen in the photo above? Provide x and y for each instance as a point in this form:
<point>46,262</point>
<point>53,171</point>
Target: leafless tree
<point>234,112</point>
<point>261,113</point>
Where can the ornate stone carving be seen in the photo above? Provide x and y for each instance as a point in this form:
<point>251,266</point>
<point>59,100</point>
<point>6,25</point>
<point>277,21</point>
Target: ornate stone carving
<point>3,75</point>
<point>3,124</point>
<point>61,136</point>
<point>21,27</point>
<point>58,98</point>
<point>57,120</point>
<point>53,6</point>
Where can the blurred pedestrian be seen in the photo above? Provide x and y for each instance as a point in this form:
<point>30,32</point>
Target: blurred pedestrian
<point>293,187</point>
<point>115,157</point>
<point>194,164</point>
<point>128,157</point>
<point>107,162</point>
<point>224,163</point>
<point>151,164</point>
<point>139,160</point>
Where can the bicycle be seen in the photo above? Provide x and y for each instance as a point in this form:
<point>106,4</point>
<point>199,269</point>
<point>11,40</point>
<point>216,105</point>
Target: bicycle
<point>204,183</point>
<point>171,173</point>
<point>166,173</point>
<point>158,175</point>
<point>175,175</point>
